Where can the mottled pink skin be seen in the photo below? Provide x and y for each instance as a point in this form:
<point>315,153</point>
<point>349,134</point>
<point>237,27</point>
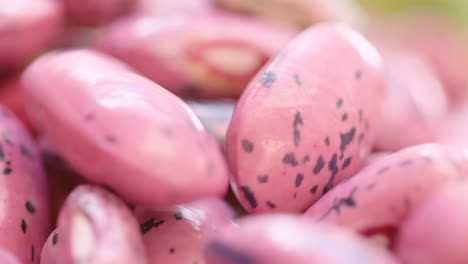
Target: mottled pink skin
<point>116,236</point>
<point>178,234</point>
<point>8,258</point>
<point>12,96</point>
<point>27,27</point>
<point>182,52</point>
<point>301,118</point>
<point>441,43</point>
<point>171,7</point>
<point>453,129</point>
<point>379,197</point>
<point>24,218</point>
<point>97,13</point>
<point>436,232</point>
<point>415,103</point>
<point>299,13</point>
<point>120,129</point>
<point>275,239</point>
<point>50,251</point>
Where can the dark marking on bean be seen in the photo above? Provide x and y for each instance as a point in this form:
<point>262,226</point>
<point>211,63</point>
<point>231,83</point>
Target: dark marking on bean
<point>361,137</point>
<point>334,170</point>
<point>147,226</point>
<point>339,103</point>
<point>271,205</point>
<point>150,224</point>
<point>167,132</point>
<point>297,79</point>
<point>338,203</point>
<point>111,139</point>
<point>178,216</point>
<point>290,158</point>
<point>2,154</point>
<point>382,170</point>
<point>249,196</point>
<point>344,117</point>
<point>358,75</point>
<point>297,137</point>
<point>295,195</point>
<point>7,170</point>
<point>298,119</point>
<point>426,158</point>
<point>314,189</point>
<point>247,146</point>
<point>6,138</point>
<point>30,207</point>
<point>346,139</point>
<point>24,226</point>
<point>346,163</point>
<point>299,178</point>
<point>405,163</point>
<point>327,141</point>
<point>233,256</point>
<point>360,115</point>
<point>26,152</point>
<point>262,178</point>
<point>296,132</point>
<point>268,79</point>
<point>407,203</point>
<point>89,117</point>
<point>171,250</point>
<point>55,238</point>
<point>371,186</point>
<point>319,164</point>
<point>33,253</point>
<point>366,124</point>
<point>306,159</point>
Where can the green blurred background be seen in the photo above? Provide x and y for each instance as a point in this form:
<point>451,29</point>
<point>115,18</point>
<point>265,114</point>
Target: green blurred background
<point>457,10</point>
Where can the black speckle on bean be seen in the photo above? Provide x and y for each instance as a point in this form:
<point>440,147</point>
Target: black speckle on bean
<point>271,205</point>
<point>24,226</point>
<point>249,196</point>
<point>314,189</point>
<point>297,79</point>
<point>405,163</point>
<point>319,164</point>
<point>30,207</point>
<point>346,163</point>
<point>262,178</point>
<point>358,75</point>
<point>89,117</point>
<point>290,158</point>
<point>299,178</point>
<point>55,238</point>
<point>339,103</point>
<point>344,117</point>
<point>7,170</point>
<point>228,254</point>
<point>268,79</point>
<point>178,216</point>
<point>247,145</point>
<point>382,170</point>
<point>346,139</point>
